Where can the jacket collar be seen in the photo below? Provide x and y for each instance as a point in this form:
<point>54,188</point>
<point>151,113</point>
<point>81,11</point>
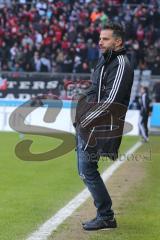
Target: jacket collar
<point>110,55</point>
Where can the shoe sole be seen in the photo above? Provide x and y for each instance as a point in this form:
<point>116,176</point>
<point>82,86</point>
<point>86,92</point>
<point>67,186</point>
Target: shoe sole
<point>100,229</point>
<point>107,229</point>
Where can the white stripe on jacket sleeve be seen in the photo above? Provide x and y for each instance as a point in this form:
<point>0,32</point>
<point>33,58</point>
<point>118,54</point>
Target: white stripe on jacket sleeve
<point>112,94</point>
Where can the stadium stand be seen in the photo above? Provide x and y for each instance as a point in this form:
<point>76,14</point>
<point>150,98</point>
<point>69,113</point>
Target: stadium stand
<point>52,38</point>
<point>62,36</point>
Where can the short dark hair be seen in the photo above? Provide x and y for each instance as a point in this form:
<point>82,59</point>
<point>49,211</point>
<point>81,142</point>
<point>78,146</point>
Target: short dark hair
<point>118,30</point>
<point>145,88</point>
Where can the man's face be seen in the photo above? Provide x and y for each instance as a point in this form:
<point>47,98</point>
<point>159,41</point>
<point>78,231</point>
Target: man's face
<point>107,41</point>
<point>142,90</point>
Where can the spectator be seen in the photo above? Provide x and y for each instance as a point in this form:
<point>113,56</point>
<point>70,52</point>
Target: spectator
<point>66,28</point>
<point>67,64</point>
<point>150,56</point>
<point>45,63</point>
<point>60,58</point>
<point>156,90</point>
<point>41,7</point>
<point>77,64</point>
<point>22,1</point>
<point>38,37</point>
<point>14,52</point>
<point>17,68</point>
<point>5,67</point>
<point>37,62</point>
<point>92,54</point>
<point>156,66</point>
<point>103,18</point>
<point>27,41</point>
<point>85,68</point>
<point>95,15</point>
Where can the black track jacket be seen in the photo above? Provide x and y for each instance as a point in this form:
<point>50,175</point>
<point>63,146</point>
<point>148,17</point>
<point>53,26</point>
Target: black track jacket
<point>101,111</point>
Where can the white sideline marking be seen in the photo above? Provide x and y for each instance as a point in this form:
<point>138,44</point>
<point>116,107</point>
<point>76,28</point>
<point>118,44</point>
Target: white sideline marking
<point>50,225</point>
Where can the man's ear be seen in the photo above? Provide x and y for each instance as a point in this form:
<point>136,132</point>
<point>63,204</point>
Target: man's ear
<point>118,42</point>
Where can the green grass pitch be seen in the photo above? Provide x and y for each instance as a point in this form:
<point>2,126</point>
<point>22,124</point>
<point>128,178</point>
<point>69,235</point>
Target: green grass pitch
<point>31,192</point>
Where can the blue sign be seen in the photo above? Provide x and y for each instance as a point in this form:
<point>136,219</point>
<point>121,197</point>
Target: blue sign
<point>155,117</point>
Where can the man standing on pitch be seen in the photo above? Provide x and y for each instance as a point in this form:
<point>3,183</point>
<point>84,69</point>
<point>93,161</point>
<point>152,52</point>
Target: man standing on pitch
<point>99,120</point>
<point>144,113</point>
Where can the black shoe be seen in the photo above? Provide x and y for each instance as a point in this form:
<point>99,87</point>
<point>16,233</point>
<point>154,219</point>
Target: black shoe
<point>89,221</point>
<point>97,224</point>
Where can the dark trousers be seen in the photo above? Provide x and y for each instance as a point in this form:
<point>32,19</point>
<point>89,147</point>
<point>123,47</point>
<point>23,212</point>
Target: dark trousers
<point>88,170</point>
<point>143,126</point>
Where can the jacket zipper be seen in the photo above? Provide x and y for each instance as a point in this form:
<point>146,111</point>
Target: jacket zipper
<point>99,97</point>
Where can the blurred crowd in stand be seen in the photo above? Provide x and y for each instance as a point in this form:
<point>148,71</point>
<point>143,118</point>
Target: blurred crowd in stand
<point>62,36</point>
